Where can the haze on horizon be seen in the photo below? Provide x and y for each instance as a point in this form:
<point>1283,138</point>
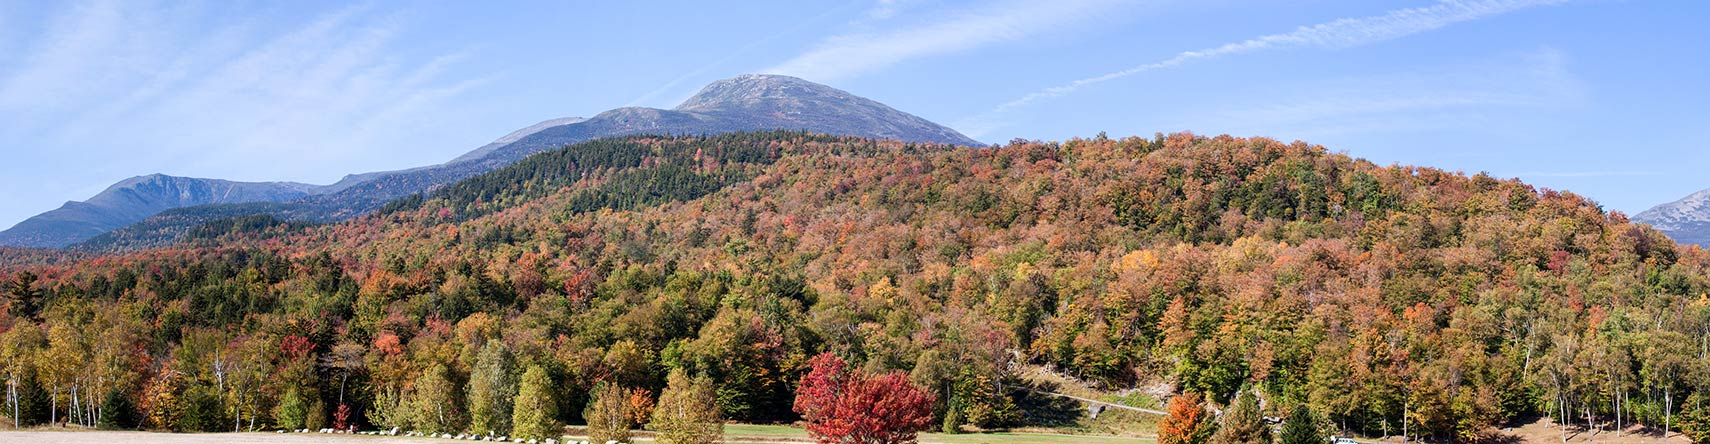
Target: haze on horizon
<point>1589,96</point>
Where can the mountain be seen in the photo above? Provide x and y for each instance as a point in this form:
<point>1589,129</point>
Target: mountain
<point>1686,220</point>
<point>514,136</point>
<point>135,199</point>
<point>745,103</point>
<point>1168,264</point>
<point>752,102</point>
<point>783,102</point>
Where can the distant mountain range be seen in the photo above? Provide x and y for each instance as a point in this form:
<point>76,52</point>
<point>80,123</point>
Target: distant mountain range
<point>153,210</point>
<point>1686,220</point>
<point>137,198</point>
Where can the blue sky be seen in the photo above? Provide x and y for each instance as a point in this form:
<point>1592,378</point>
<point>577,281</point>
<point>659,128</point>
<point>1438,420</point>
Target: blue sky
<point>1605,98</point>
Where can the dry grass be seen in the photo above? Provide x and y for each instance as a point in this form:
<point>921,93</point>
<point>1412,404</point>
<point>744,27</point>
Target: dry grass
<point>1545,430</point>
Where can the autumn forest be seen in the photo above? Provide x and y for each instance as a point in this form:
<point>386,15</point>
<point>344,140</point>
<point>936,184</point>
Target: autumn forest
<point>730,270</point>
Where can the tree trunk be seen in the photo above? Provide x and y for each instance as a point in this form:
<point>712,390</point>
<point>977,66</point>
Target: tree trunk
<point>1668,412</point>
<point>237,419</point>
<point>12,397</point>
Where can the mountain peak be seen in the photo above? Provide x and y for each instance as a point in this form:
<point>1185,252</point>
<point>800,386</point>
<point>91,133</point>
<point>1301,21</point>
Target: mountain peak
<point>752,90</point>
<point>1675,215</point>
<point>771,101</point>
<point>1686,220</point>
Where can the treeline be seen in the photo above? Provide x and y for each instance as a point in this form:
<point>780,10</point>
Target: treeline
<point>1379,297</point>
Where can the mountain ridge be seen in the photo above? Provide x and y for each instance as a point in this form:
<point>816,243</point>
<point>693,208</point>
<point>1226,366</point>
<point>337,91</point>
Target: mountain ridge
<point>1686,220</point>
<point>137,198</point>
<point>750,102</point>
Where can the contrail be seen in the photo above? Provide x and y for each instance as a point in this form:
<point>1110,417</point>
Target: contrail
<point>1340,33</point>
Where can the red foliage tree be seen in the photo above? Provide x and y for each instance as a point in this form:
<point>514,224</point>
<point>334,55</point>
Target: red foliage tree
<point>341,418</point>
<point>296,346</point>
<point>842,406</point>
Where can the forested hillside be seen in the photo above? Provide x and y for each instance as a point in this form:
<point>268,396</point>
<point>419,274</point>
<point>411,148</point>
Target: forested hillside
<point>1373,295</point>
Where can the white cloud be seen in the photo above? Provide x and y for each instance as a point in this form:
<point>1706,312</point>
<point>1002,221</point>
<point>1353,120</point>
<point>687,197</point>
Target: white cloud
<point>850,55</point>
<point>1340,33</point>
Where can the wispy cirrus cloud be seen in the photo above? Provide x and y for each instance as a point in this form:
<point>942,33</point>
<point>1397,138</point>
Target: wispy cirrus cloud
<point>182,80</point>
<point>1335,34</point>
<point>1586,174</point>
<point>107,89</point>
<point>849,55</point>
<point>1435,98</point>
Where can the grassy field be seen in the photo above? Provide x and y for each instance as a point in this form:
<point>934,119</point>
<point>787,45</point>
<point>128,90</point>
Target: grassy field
<point>749,434</point>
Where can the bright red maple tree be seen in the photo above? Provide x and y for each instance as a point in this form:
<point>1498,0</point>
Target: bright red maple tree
<point>843,406</point>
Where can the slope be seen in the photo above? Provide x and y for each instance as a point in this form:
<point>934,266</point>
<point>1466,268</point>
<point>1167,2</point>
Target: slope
<point>1372,295</point>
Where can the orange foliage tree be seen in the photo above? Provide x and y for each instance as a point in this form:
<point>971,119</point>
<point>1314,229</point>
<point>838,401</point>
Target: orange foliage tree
<point>1188,422</point>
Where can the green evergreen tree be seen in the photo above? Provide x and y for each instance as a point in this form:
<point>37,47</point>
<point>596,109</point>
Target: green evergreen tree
<point>952,419</point>
<point>203,410</point>
<point>1301,428</point>
<point>688,411</point>
<point>118,411</point>
<point>535,414</point>
<point>1243,423</point>
<point>492,389</point>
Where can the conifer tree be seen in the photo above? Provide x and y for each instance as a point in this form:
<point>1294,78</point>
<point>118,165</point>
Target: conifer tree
<point>118,411</point>
<point>1301,428</point>
<point>1243,423</point>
